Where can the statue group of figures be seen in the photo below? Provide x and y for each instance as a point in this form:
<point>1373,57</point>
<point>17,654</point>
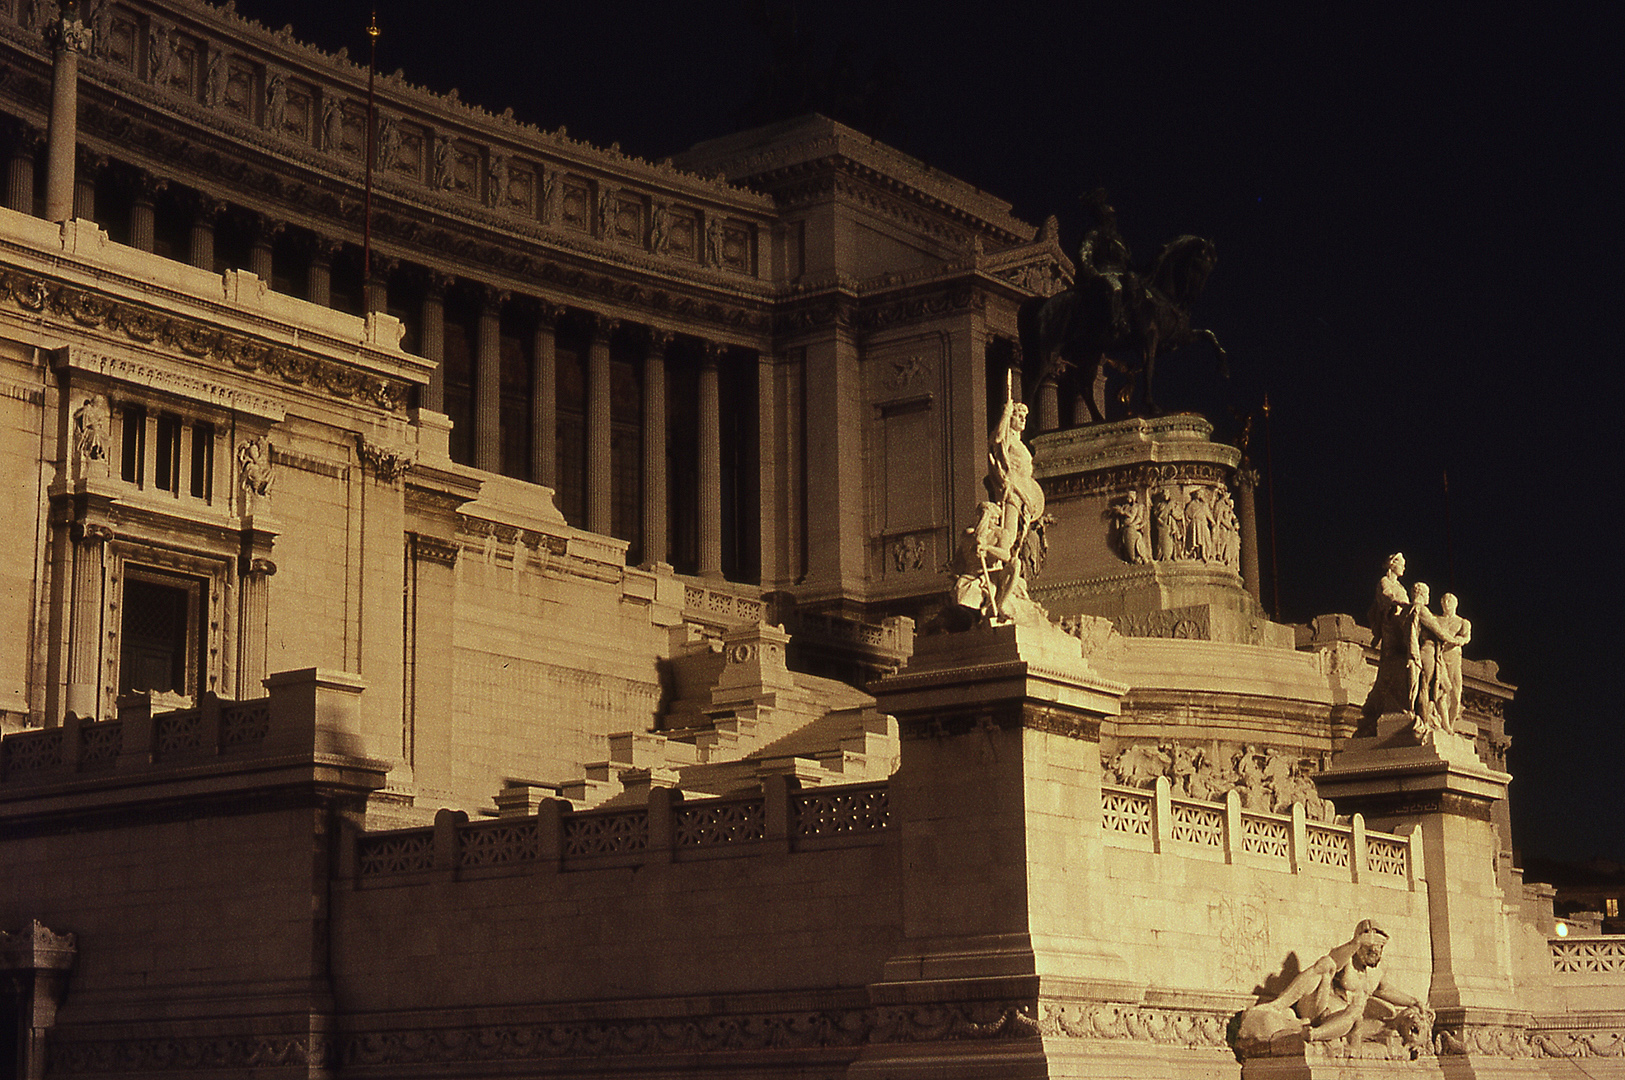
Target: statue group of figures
<point>1268,780</point>
<point>1343,996</point>
<point>1197,524</point>
<point>994,556</point>
<point>1116,307</point>
<point>1419,654</point>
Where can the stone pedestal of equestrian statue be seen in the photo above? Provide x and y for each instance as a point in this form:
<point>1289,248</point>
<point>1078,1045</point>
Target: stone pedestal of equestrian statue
<point>1147,531</point>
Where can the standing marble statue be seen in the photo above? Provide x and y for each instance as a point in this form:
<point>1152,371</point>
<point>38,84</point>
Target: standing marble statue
<point>1169,517</point>
<point>1343,995</point>
<point>988,562</point>
<point>90,437</point>
<point>1408,638</point>
<point>1447,696</point>
<point>1199,526</point>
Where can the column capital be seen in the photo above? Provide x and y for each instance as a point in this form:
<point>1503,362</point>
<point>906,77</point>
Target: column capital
<point>257,567</point>
<point>265,228</point>
<point>145,186</point>
<point>205,208</point>
<point>659,340</point>
<point>712,352</point>
<point>383,265</point>
<point>602,328</point>
<point>68,33</point>
<point>24,137</point>
<point>90,162</point>
<point>91,533</point>
<point>548,313</point>
<point>324,249</point>
<point>434,283</point>
<point>490,297</point>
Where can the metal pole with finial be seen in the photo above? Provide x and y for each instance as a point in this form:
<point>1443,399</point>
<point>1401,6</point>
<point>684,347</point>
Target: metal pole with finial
<point>1269,473</point>
<point>366,213</point>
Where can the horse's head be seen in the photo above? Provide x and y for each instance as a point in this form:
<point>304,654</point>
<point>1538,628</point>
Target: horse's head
<point>1181,268</point>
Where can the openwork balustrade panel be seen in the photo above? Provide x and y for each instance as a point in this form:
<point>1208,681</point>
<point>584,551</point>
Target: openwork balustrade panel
<point>99,745</point>
<point>1203,825</point>
<point>1588,955</point>
<point>244,725</point>
<point>32,752</point>
<point>619,833</point>
<point>842,811</point>
<point>178,732</point>
<point>1126,811</point>
<point>1386,856</point>
<point>1328,848</point>
<point>395,853</point>
<point>499,843</point>
<point>713,823</point>
<point>1269,837</point>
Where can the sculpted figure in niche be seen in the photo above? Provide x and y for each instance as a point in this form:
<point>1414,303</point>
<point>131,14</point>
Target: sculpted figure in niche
<point>1447,695</point>
<point>214,83</point>
<point>389,143</point>
<point>1169,519</point>
<point>332,125</point>
<point>442,163</point>
<point>1343,995</point>
<point>1199,527</point>
<point>276,102</point>
<point>254,471</point>
<point>497,180</point>
<point>160,54</point>
<point>90,437</point>
<point>1128,514</point>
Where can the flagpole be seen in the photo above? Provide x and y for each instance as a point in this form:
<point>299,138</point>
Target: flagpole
<point>366,215</point>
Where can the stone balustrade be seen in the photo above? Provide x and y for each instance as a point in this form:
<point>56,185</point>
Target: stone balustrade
<point>667,828</point>
<point>1154,820</point>
<point>1600,955</point>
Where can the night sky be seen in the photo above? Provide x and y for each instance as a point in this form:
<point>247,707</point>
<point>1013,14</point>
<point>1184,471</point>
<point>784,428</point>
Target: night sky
<point>1419,257</point>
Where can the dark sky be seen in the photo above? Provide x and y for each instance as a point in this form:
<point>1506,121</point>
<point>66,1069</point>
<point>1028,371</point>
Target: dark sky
<point>1419,257</point>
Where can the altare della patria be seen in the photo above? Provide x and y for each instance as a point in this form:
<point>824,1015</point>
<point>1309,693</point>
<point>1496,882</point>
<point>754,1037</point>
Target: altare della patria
<point>484,604</point>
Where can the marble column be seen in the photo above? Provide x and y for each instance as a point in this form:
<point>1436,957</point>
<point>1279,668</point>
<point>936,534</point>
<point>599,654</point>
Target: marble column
<point>84,183</point>
<point>1247,510</point>
<point>1049,405</point>
<point>544,414</point>
<point>260,255</point>
<point>488,382</point>
<point>598,426</point>
<point>144,211</point>
<point>205,213</point>
<point>432,338</point>
<point>67,37</point>
<point>252,635</point>
<point>710,439</point>
<point>376,289</point>
<point>20,170</point>
<point>319,289</point>
<point>654,448</point>
<point>85,632</point>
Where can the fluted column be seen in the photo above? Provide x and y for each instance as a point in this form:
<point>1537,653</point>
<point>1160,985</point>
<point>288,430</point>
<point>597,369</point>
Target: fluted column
<point>261,260</point>
<point>25,150</point>
<point>319,288</point>
<point>598,426</point>
<point>67,37</point>
<point>205,213</point>
<point>144,211</point>
<point>654,447</point>
<point>432,343</point>
<point>253,612</point>
<point>488,383</point>
<point>85,633</point>
<point>376,289</point>
<point>710,423</point>
<point>84,183</point>
<point>1049,404</point>
<point>544,412</point>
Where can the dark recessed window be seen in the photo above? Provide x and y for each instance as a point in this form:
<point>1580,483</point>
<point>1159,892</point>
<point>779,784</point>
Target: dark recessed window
<point>166,467</point>
<point>133,444</point>
<point>202,461</point>
<point>157,641</point>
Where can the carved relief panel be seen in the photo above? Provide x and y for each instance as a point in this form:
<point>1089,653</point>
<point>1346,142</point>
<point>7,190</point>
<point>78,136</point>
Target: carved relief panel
<point>466,167</point>
<point>237,95</point>
<point>521,189</point>
<point>902,379</point>
<point>733,248</point>
<point>180,73</point>
<point>682,233</point>
<point>118,44</point>
<point>627,215</point>
<point>298,112</point>
<point>575,203</point>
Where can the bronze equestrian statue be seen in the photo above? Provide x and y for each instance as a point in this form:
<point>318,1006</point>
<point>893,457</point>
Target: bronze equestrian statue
<point>1114,307</point>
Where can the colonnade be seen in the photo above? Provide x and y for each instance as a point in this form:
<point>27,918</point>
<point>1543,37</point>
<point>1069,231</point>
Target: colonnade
<point>142,193</point>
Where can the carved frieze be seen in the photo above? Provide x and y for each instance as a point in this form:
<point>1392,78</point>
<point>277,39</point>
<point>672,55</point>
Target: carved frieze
<point>200,340</point>
<point>1268,779</point>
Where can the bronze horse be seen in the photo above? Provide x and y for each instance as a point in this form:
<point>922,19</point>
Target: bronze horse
<point>1072,332</point>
